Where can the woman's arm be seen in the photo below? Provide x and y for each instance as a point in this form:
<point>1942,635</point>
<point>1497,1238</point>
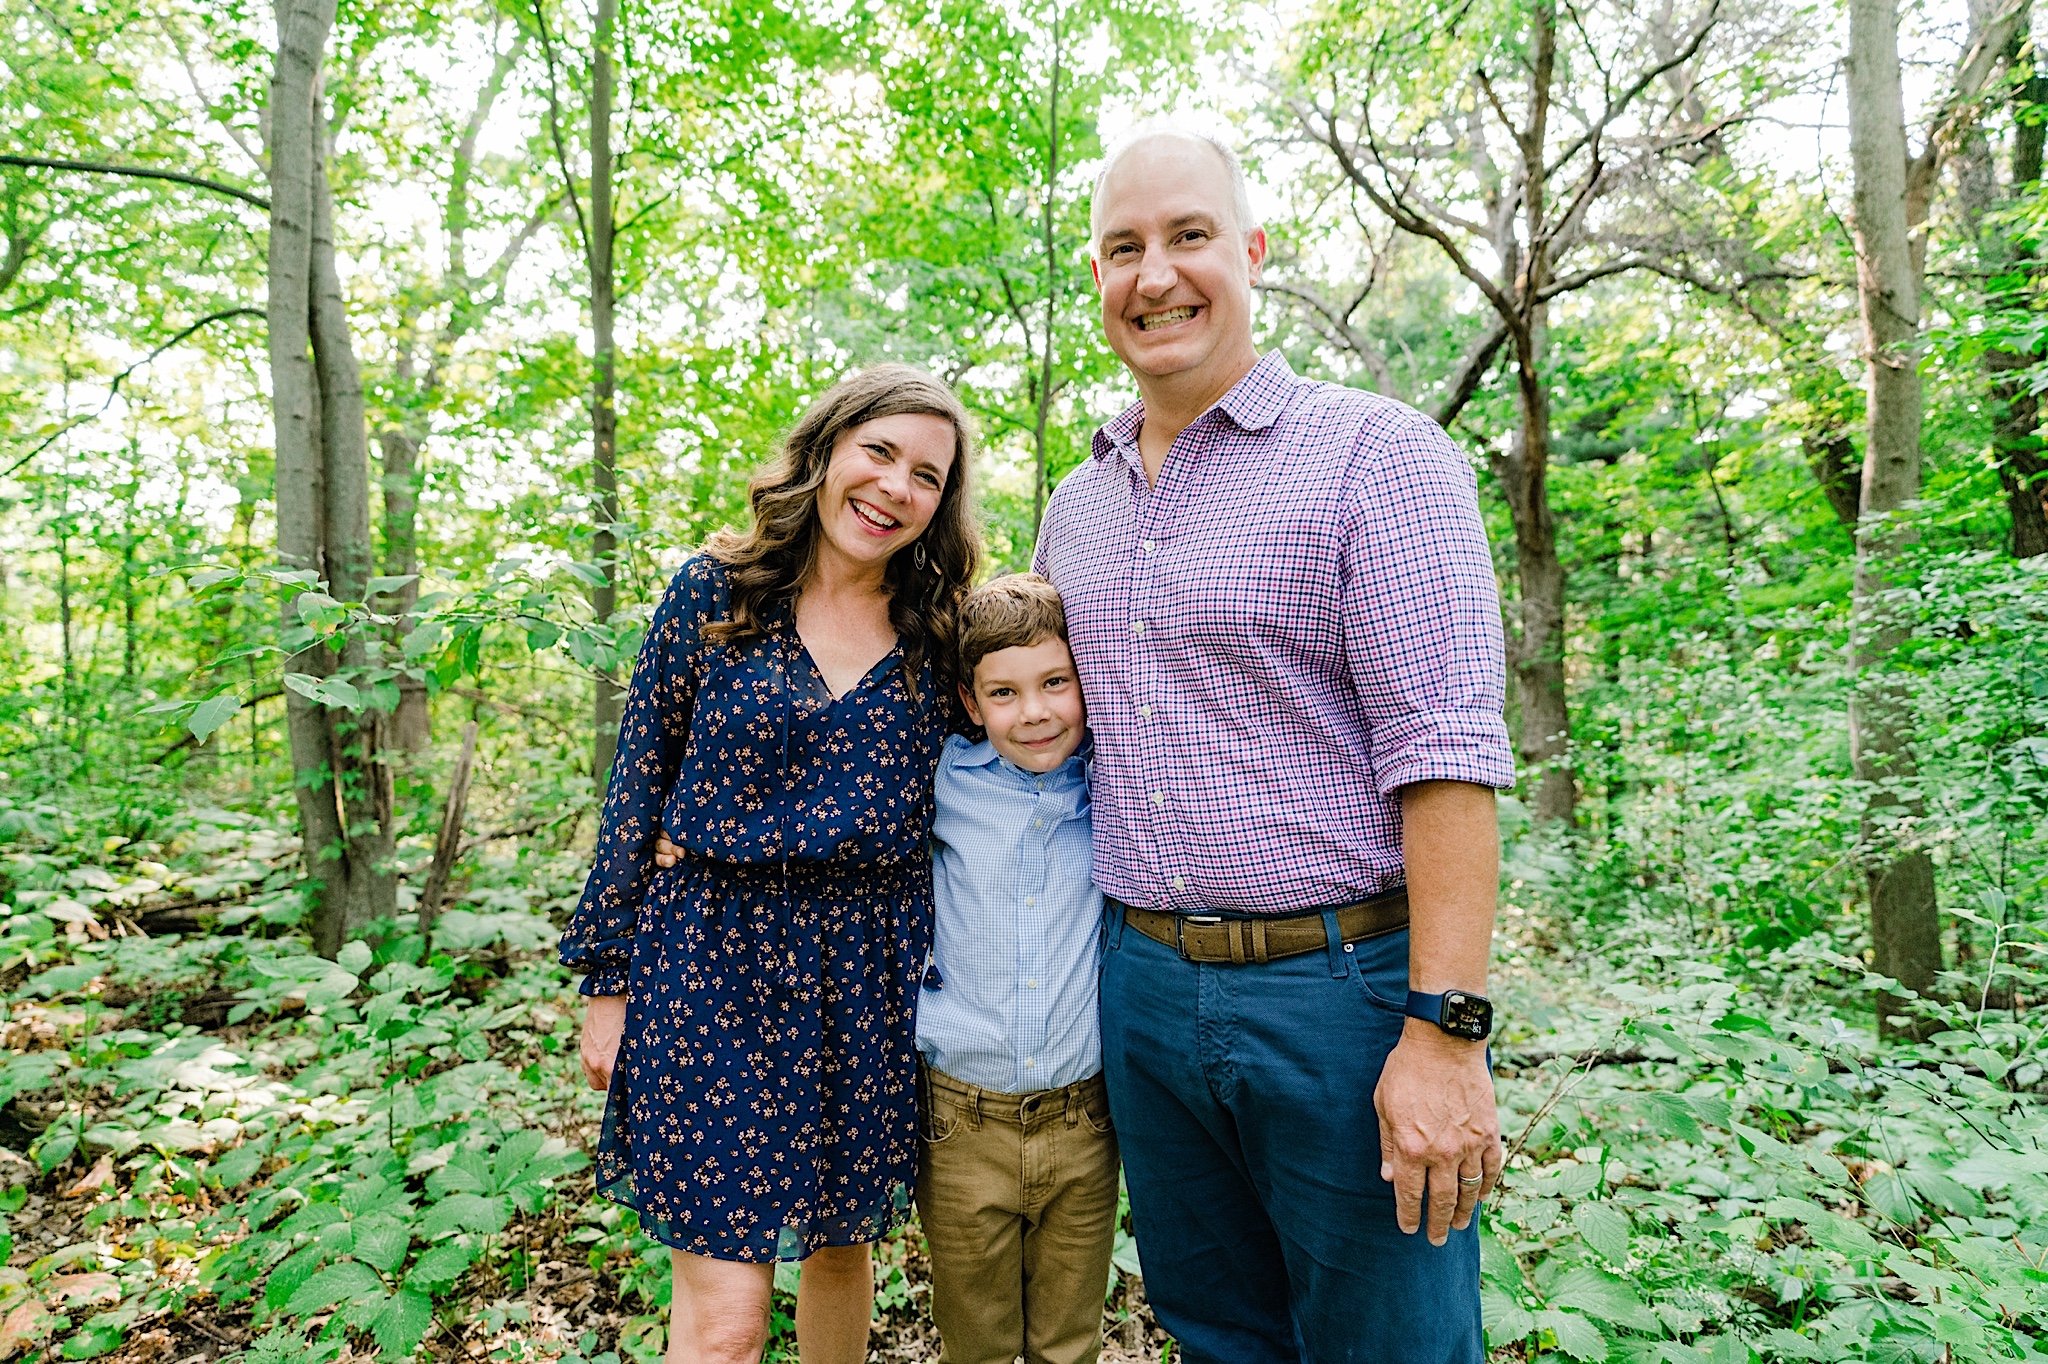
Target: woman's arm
<point>653,733</point>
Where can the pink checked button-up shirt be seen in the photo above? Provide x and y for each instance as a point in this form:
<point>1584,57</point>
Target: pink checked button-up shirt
<point>1296,622</point>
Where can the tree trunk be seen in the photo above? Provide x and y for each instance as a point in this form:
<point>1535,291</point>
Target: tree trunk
<point>322,488</point>
<point>302,27</point>
<point>610,701</point>
<point>411,726</point>
<point>1832,457</point>
<point>358,736</point>
<point>1905,927</point>
<point>2016,444</point>
<point>1538,647</point>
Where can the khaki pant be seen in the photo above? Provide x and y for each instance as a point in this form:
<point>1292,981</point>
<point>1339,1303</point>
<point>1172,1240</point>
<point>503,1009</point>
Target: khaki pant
<point>1018,1197</point>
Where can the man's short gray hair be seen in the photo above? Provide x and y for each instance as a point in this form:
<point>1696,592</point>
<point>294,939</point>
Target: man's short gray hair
<point>1240,195</point>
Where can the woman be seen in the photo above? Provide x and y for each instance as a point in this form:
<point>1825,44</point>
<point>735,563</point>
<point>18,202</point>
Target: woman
<point>751,1008</point>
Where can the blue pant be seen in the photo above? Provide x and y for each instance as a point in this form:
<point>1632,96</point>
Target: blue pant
<point>1242,1097</point>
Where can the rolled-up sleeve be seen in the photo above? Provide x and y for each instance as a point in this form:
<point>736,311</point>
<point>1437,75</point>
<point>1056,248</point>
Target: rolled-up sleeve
<point>1422,627</point>
<point>653,734</point>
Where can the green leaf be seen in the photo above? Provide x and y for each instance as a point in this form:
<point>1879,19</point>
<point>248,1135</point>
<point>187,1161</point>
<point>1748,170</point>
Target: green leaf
<point>464,1212</point>
<point>1605,1228</point>
<point>213,577</point>
<point>328,691</point>
<point>291,1275</point>
<point>235,1168</point>
<point>592,574</point>
<point>344,1282</point>
<point>96,1337</point>
<point>320,611</point>
<point>423,639</point>
<point>55,1148</point>
<point>1671,1115</point>
<point>354,957</point>
<point>440,1266</point>
<point>403,1323</point>
<point>1576,1336</point>
<point>211,714</point>
<point>382,1242</point>
<point>1599,1294</point>
<point>1889,1193</point>
<point>389,583</point>
<point>1507,1321</point>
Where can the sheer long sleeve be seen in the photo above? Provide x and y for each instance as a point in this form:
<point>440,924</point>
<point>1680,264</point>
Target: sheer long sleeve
<point>653,735</point>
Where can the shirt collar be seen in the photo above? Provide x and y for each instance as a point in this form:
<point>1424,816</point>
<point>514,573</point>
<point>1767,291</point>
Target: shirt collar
<point>1254,403</point>
<point>961,753</point>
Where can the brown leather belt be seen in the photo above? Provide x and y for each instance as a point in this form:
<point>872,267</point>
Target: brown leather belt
<point>1211,938</point>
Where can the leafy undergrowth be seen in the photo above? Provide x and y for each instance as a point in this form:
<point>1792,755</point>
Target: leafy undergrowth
<point>218,1145</point>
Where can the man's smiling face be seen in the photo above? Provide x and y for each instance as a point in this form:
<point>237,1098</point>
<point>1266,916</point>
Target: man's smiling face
<point>1175,268</point>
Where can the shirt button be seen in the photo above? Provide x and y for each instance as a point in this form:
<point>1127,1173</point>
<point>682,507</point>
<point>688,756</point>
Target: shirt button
<point>1145,712</point>
<point>1029,1063</point>
<point>1180,883</point>
<point>1031,899</point>
<point>1032,984</point>
<point>1038,824</point>
<point>1138,627</point>
<point>1151,545</point>
<point>1159,797</point>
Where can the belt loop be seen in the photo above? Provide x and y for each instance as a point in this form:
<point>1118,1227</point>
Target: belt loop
<point>1238,932</point>
<point>1113,918</point>
<point>1258,931</point>
<point>1334,940</point>
<point>1073,1097</point>
<point>973,1107</point>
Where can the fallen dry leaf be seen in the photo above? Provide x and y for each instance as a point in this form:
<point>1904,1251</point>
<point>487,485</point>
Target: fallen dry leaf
<point>97,1178</point>
<point>77,1290</point>
<point>26,1323</point>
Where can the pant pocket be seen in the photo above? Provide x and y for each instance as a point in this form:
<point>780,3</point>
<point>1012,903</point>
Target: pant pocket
<point>1095,1112</point>
<point>1379,966</point>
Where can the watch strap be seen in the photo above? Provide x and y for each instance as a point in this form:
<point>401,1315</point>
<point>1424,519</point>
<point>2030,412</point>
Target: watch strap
<point>1428,1008</point>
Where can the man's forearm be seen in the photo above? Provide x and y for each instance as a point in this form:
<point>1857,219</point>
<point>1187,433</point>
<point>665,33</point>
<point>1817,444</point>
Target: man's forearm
<point>1450,841</point>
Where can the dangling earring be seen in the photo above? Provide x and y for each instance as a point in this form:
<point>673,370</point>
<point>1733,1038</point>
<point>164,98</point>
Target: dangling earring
<point>917,556</point>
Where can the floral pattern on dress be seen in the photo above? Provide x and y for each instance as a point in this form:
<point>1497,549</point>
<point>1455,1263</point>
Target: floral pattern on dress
<point>763,1100</point>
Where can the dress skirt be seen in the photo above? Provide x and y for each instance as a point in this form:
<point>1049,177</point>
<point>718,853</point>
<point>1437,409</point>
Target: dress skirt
<point>763,1102</point>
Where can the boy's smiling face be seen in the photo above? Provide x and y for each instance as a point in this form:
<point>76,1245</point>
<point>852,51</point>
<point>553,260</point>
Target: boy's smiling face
<point>1028,698</point>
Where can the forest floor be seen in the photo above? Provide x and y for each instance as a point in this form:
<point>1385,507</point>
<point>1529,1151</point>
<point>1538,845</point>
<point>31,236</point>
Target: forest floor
<point>214,1145</point>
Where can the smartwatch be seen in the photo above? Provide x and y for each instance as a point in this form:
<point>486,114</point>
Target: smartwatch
<point>1458,1013</point>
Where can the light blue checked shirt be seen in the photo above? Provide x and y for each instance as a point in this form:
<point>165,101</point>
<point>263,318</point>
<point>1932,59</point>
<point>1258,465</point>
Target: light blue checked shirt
<point>1008,1002</point>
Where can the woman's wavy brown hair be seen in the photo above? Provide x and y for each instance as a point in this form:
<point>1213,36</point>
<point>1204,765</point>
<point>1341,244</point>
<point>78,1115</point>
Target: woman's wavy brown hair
<point>770,560</point>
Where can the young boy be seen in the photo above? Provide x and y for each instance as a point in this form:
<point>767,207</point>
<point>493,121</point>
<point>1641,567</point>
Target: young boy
<point>1017,1170</point>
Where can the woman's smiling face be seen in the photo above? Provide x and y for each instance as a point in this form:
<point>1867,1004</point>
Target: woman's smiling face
<point>883,487</point>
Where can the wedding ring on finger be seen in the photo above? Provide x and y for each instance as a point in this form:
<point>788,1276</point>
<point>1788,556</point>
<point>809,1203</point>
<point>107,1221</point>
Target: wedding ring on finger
<point>1470,1180</point>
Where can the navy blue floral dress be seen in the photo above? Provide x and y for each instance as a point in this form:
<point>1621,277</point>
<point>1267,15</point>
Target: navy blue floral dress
<point>763,1101</point>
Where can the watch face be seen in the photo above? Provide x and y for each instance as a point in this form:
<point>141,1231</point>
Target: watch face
<point>1467,1016</point>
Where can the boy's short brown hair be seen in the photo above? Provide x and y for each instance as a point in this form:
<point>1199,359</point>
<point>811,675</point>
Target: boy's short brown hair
<point>1010,612</point>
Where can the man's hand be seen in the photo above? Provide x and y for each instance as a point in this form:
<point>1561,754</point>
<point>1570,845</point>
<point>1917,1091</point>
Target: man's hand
<point>666,854</point>
<point>604,1023</point>
<point>1437,1123</point>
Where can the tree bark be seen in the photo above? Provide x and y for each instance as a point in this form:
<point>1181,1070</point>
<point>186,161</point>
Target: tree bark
<point>1832,457</point>
<point>1905,927</point>
<point>2016,443</point>
<point>610,700</point>
<point>1538,647</point>
<point>399,451</point>
<point>357,742</point>
<point>399,445</point>
<point>302,27</point>
<point>322,493</point>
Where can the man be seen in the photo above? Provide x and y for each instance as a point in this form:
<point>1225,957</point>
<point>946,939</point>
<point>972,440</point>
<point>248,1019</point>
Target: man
<point>1284,613</point>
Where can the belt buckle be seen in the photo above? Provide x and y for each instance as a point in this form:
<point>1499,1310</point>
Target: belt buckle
<point>1180,925</point>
